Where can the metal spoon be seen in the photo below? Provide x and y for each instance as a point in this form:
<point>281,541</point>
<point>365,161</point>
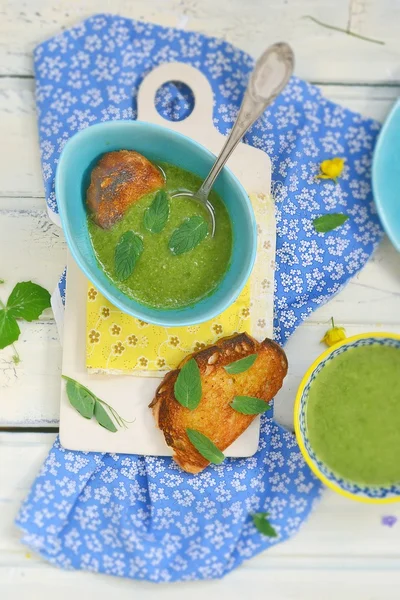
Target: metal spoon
<point>270,75</point>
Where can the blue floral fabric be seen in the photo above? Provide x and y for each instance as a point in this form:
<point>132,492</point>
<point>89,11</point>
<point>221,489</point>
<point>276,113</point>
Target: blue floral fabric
<point>142,517</point>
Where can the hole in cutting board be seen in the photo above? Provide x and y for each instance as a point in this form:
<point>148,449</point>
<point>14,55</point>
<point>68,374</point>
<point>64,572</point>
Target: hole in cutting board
<point>174,101</point>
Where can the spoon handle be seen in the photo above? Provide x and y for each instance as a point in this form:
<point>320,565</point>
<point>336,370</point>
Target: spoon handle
<point>270,75</point>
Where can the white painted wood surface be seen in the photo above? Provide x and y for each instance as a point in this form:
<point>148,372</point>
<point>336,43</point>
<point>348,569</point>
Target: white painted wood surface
<point>343,550</point>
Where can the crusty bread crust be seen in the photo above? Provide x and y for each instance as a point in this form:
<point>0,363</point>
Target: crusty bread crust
<point>117,181</point>
<point>214,417</point>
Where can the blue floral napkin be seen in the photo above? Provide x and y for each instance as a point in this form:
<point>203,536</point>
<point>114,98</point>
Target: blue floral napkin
<point>142,517</point>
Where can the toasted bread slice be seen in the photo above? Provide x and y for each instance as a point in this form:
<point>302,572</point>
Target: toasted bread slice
<point>214,417</point>
<point>117,181</point>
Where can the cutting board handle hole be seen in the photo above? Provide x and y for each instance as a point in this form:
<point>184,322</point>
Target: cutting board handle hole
<point>174,100</point>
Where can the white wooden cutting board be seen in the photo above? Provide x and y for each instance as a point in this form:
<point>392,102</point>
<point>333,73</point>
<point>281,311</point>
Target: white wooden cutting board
<point>130,395</point>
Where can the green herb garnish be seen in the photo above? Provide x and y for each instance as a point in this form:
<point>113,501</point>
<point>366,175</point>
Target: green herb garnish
<point>88,405</point>
<point>247,405</point>
<point>188,235</point>
<point>205,447</point>
<point>127,253</point>
<point>187,388</point>
<point>329,222</point>
<point>263,525</point>
<point>241,365</point>
<point>27,301</point>
<point>156,216</point>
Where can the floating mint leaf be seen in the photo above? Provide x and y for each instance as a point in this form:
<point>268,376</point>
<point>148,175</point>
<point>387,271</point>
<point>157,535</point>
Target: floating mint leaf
<point>188,235</point>
<point>187,388</point>
<point>241,365</point>
<point>9,329</point>
<point>103,418</point>
<point>263,525</point>
<point>156,216</point>
<point>127,252</point>
<point>27,301</point>
<point>205,447</point>
<point>81,398</point>
<point>247,405</point>
<point>329,222</point>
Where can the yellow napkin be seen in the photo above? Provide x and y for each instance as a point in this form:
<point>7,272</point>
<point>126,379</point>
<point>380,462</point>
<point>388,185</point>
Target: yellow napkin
<point>118,343</point>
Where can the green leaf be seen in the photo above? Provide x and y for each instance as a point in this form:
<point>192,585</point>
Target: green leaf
<point>80,398</point>
<point>188,235</point>
<point>9,329</point>
<point>187,387</point>
<point>156,216</point>
<point>247,405</point>
<point>27,301</point>
<point>205,446</point>
<point>329,222</point>
<point>263,525</point>
<point>127,253</point>
<point>102,417</point>
<point>241,365</point>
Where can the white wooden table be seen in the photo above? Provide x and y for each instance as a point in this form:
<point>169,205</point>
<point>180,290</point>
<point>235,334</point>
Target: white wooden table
<point>344,550</point>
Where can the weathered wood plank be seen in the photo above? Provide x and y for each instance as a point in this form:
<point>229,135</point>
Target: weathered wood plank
<point>322,55</point>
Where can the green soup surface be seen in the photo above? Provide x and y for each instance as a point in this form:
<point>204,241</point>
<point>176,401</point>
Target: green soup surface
<point>160,278</point>
<point>353,415</point>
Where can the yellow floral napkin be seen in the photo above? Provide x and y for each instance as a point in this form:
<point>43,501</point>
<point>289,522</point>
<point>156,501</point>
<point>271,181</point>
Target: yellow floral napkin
<point>118,343</point>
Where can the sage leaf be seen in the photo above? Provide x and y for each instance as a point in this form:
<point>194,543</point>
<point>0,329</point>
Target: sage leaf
<point>241,365</point>
<point>156,216</point>
<point>9,329</point>
<point>247,405</point>
<point>329,222</point>
<point>27,301</point>
<point>103,418</point>
<point>205,447</point>
<point>263,525</point>
<point>187,388</point>
<point>80,398</point>
<point>127,253</point>
<point>188,235</point>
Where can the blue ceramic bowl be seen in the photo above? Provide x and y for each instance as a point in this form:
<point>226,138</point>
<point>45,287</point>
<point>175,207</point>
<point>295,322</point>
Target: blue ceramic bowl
<point>158,144</point>
<point>386,175</point>
<point>372,494</point>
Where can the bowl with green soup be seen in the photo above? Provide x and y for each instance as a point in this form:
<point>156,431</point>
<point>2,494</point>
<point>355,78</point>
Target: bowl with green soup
<point>347,417</point>
<point>150,252</point>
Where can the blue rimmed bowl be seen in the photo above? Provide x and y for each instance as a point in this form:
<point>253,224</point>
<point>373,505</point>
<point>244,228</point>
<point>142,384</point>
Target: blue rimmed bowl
<point>158,144</point>
<point>371,494</point>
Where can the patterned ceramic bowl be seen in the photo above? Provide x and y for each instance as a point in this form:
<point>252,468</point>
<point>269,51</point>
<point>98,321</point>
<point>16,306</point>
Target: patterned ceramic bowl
<point>372,494</point>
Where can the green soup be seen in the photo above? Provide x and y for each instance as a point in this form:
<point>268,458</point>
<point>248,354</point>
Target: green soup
<point>353,415</point>
<point>160,278</point>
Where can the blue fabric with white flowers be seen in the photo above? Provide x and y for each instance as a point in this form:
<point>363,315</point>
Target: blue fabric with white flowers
<point>142,517</point>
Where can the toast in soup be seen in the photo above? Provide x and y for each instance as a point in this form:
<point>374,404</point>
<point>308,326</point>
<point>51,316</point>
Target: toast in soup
<point>117,181</point>
<point>214,417</point>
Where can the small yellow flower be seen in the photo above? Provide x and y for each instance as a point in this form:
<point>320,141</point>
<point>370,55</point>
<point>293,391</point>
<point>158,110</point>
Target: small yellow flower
<point>118,348</point>
<point>160,362</point>
<point>331,169</point>
<point>132,340</point>
<point>173,340</point>
<point>94,336</point>
<point>334,335</point>
<point>198,346</point>
<point>143,362</point>
<point>115,329</point>
<point>267,245</point>
<point>105,312</point>
<point>245,312</point>
<point>218,329</point>
<point>92,293</point>
<point>141,323</point>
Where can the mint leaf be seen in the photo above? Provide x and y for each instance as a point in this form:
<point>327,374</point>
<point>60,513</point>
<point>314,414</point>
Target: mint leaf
<point>27,301</point>
<point>263,525</point>
<point>205,446</point>
<point>9,329</point>
<point>188,235</point>
<point>81,398</point>
<point>241,365</point>
<point>102,417</point>
<point>329,222</point>
<point>156,216</point>
<point>127,253</point>
<point>247,405</point>
<point>187,388</point>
